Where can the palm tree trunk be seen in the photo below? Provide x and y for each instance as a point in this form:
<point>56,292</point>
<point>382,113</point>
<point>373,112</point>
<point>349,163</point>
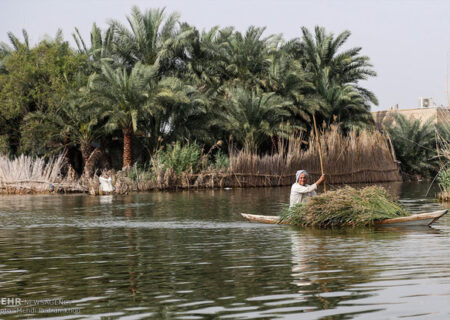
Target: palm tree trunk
<point>69,171</point>
<point>89,165</point>
<point>127,147</point>
<point>86,150</point>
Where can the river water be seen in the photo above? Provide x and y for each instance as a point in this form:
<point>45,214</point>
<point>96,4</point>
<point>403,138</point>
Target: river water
<point>189,255</point>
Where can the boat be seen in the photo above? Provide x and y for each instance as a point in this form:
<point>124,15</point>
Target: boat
<point>422,219</point>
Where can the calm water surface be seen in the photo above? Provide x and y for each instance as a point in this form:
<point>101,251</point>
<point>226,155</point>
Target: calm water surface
<point>189,255</point>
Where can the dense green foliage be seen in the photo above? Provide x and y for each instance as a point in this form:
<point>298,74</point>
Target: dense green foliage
<point>179,158</point>
<point>415,144</point>
<point>157,80</point>
<point>345,207</point>
<point>188,157</point>
<point>444,179</point>
<point>36,80</point>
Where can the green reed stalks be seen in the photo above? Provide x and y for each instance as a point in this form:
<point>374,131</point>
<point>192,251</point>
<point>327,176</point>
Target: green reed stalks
<point>345,207</point>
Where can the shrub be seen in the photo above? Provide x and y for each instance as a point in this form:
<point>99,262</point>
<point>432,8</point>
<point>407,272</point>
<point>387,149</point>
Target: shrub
<point>222,161</point>
<point>178,158</point>
<point>444,179</point>
<point>138,173</point>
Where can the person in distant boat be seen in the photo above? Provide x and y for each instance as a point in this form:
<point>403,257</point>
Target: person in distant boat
<point>300,191</point>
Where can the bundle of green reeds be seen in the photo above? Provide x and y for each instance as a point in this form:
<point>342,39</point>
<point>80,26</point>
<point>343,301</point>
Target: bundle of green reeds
<point>345,207</point>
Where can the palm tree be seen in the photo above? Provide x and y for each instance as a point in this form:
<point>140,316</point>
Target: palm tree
<point>124,97</point>
<point>100,45</point>
<point>414,144</point>
<point>206,64</point>
<point>139,100</point>
<point>185,113</point>
<point>152,38</point>
<point>253,117</point>
<point>286,78</point>
<point>248,56</point>
<point>69,126</point>
<point>6,50</point>
<point>345,105</point>
<point>332,70</point>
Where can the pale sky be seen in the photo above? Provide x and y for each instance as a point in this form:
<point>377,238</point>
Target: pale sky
<point>408,41</point>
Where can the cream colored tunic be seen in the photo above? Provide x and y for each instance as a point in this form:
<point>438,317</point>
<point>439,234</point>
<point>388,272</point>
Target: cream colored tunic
<point>301,193</point>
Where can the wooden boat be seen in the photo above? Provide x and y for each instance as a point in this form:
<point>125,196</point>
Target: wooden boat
<point>422,219</point>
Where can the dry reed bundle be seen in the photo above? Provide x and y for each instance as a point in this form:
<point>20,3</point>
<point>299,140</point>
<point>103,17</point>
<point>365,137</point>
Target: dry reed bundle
<point>345,207</point>
<point>25,168</point>
<point>27,174</point>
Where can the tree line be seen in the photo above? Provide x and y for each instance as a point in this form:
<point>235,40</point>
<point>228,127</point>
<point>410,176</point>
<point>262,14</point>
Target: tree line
<point>133,88</point>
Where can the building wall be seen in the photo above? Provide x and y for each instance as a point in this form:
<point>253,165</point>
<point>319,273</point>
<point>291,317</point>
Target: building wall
<point>439,114</point>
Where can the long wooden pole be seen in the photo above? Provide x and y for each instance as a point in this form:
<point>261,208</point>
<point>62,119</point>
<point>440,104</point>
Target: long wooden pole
<point>320,151</point>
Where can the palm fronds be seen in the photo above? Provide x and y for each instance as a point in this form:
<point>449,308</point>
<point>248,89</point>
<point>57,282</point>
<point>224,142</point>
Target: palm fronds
<point>414,143</point>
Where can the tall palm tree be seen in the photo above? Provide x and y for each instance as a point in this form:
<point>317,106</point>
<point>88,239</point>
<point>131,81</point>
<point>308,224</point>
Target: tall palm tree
<point>344,105</point>
<point>185,113</point>
<point>152,37</point>
<point>138,100</point>
<point>253,117</point>
<point>332,68</point>
<point>124,97</point>
<point>248,55</point>
<point>287,78</point>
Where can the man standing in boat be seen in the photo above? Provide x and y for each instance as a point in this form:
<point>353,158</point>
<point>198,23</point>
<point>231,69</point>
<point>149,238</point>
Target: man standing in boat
<point>300,190</point>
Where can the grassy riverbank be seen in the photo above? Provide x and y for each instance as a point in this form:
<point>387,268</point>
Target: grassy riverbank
<point>355,157</point>
<point>158,81</point>
<point>158,104</point>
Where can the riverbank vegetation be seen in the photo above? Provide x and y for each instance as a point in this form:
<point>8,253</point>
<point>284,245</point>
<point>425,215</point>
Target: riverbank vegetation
<point>444,153</point>
<point>157,103</point>
<point>26,174</point>
<point>417,145</point>
<point>158,80</point>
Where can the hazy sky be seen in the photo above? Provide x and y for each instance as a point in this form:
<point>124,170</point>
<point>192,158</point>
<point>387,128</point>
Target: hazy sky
<point>408,41</point>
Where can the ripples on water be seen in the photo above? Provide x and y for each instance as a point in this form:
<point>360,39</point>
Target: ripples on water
<point>189,255</point>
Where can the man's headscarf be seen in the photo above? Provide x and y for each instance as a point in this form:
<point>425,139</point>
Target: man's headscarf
<point>299,172</point>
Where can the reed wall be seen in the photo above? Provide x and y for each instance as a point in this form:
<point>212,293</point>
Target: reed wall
<point>363,157</point>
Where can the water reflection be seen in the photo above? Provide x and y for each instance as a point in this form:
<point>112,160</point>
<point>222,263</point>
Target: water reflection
<point>190,255</point>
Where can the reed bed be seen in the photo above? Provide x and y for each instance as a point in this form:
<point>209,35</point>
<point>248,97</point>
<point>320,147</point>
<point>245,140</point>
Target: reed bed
<point>26,174</point>
<point>345,207</point>
<point>363,157</point>
<point>359,157</point>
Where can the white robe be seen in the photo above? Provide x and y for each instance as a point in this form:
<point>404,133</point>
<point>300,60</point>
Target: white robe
<point>301,193</point>
<point>106,184</point>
